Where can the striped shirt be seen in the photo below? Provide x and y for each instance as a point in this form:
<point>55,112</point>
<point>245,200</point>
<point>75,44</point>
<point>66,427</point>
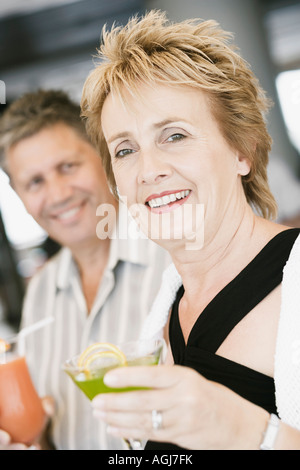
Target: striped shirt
<point>125,295</point>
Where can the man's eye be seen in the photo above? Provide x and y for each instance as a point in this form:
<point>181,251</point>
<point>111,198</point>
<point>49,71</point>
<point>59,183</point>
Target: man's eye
<point>34,183</point>
<point>67,166</point>
<point>175,137</point>
<point>123,153</point>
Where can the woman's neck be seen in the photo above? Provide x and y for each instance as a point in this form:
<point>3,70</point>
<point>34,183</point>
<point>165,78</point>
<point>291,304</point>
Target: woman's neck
<point>225,251</point>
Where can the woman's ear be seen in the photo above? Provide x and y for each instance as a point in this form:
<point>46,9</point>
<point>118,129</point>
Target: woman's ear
<point>243,165</point>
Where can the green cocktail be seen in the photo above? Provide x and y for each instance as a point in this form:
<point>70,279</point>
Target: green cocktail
<point>88,373</point>
<point>88,369</point>
<point>91,381</point>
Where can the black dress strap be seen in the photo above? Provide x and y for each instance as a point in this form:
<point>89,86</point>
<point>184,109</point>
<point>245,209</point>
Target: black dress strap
<point>239,297</point>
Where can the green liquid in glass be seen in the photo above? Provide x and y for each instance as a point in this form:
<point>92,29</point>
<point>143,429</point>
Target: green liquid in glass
<point>91,382</point>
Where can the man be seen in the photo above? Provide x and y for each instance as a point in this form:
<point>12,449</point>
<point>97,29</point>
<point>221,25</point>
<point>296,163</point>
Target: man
<point>100,286</point>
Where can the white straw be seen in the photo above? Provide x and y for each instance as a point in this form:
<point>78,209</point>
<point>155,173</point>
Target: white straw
<point>35,326</point>
<point>30,329</point>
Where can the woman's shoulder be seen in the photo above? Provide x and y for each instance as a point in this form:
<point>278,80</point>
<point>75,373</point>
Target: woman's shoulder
<point>274,244</point>
<point>268,231</point>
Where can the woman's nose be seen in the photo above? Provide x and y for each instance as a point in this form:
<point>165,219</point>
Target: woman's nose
<point>153,167</point>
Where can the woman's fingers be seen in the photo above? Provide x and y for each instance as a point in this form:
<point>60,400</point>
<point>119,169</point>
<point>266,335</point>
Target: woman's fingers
<point>141,420</point>
<point>166,387</point>
<point>152,377</point>
<point>137,401</point>
<point>139,425</point>
<point>171,393</point>
<point>191,411</point>
<point>160,384</point>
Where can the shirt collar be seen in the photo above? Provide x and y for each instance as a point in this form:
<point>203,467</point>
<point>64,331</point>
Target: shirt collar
<point>65,269</point>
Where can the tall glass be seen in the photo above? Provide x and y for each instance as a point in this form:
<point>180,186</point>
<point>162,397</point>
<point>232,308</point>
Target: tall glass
<point>91,379</point>
<point>21,411</point>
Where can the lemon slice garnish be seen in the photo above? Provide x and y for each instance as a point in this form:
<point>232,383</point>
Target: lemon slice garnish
<point>97,350</point>
<point>4,346</point>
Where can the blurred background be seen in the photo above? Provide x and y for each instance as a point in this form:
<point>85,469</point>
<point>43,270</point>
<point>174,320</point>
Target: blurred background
<point>51,44</point>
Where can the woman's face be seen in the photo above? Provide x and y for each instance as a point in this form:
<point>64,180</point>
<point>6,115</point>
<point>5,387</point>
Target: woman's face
<point>169,155</point>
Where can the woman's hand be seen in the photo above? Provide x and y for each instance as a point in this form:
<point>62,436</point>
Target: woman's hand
<point>196,413</point>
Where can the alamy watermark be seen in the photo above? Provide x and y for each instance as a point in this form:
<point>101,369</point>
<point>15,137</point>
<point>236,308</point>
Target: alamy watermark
<point>2,92</point>
<point>186,222</point>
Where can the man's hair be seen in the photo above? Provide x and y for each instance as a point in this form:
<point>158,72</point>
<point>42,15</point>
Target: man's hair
<point>192,53</point>
<point>34,112</point>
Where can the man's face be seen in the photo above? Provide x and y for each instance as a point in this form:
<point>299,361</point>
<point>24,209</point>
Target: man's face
<point>60,179</point>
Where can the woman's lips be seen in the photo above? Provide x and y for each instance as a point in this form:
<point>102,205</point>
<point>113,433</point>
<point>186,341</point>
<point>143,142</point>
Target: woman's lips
<point>167,200</point>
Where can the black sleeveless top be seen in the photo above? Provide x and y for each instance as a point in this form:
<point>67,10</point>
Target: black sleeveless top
<point>220,316</point>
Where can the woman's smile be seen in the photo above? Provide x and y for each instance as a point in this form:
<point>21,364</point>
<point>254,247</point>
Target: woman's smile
<point>167,200</point>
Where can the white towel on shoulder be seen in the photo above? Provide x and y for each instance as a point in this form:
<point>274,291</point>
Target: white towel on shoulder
<point>158,316</point>
<point>287,357</point>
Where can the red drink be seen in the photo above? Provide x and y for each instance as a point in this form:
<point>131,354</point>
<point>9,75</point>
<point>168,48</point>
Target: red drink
<point>21,411</point>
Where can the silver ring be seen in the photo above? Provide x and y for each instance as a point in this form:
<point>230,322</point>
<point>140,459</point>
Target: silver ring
<point>156,417</point>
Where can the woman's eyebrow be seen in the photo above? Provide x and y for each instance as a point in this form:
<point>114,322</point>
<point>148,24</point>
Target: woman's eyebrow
<point>119,135</point>
<point>168,121</point>
<point>156,125</point>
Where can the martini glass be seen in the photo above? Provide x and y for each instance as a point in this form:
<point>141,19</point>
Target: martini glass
<point>90,379</point>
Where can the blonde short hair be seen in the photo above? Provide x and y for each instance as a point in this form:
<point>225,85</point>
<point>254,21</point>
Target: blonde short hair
<point>192,53</point>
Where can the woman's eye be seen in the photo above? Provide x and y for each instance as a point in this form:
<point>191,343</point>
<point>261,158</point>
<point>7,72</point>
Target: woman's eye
<point>176,137</point>
<point>123,153</point>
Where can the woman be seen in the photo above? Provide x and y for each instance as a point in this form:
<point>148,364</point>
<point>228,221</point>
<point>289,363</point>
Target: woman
<point>178,118</point>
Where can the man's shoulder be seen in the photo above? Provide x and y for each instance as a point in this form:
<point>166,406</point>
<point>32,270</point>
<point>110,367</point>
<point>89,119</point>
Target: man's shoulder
<point>49,269</point>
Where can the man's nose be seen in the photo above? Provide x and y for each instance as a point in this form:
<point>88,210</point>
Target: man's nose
<point>58,190</point>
